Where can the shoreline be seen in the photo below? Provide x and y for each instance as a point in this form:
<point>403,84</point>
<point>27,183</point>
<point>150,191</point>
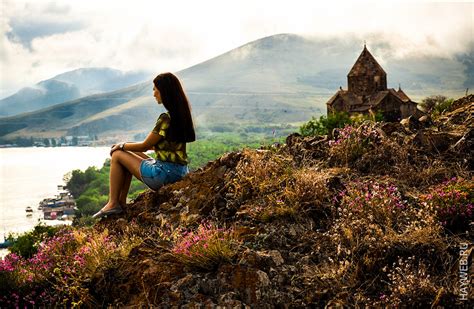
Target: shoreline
<point>33,174</point>
<point>5,251</point>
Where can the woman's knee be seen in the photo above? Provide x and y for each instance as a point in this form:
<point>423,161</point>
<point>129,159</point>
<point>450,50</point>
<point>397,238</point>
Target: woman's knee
<point>128,161</point>
<point>115,157</point>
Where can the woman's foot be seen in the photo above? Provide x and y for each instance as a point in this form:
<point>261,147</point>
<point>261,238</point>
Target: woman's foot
<point>108,209</point>
<point>111,205</point>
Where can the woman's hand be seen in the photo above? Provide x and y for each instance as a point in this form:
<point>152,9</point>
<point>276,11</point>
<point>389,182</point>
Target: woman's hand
<point>115,147</point>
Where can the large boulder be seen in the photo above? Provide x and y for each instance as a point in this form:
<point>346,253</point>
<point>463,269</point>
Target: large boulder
<point>435,142</point>
<point>411,123</point>
<point>391,127</point>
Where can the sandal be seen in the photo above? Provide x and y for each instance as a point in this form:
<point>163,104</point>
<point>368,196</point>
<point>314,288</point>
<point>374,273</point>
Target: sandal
<point>113,211</point>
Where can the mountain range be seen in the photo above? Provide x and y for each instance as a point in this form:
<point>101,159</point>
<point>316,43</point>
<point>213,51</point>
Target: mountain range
<point>284,78</point>
<point>68,86</point>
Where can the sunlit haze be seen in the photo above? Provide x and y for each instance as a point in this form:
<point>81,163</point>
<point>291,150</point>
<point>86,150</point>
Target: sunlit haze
<point>42,38</point>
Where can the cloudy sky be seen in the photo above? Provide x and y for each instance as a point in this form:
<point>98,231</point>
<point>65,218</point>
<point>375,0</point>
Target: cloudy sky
<point>42,38</point>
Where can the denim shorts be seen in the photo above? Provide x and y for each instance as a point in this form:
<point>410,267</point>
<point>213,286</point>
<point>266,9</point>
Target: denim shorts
<point>156,173</point>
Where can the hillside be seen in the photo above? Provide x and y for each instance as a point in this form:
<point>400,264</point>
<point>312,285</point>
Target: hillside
<point>58,120</point>
<point>66,87</point>
<point>274,80</point>
<point>376,215</point>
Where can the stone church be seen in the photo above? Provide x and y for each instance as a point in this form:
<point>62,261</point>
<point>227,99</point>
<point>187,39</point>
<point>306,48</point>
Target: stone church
<point>367,93</point>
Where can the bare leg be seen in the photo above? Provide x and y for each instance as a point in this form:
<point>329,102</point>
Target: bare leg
<point>128,179</point>
<point>122,166</point>
<point>116,181</point>
<point>125,188</point>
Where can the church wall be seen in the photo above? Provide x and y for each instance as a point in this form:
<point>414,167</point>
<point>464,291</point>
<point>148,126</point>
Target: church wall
<point>380,83</point>
<point>408,109</point>
<point>337,106</point>
<point>367,85</point>
<point>390,107</point>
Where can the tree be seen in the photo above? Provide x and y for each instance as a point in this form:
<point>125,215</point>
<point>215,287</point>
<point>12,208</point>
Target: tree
<point>428,104</point>
<point>325,125</point>
<point>78,180</point>
<point>75,141</point>
<point>46,142</point>
<point>26,245</point>
<point>53,142</point>
<point>435,105</point>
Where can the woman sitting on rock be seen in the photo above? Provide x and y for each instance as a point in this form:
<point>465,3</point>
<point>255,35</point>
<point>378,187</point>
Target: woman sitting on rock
<point>168,138</point>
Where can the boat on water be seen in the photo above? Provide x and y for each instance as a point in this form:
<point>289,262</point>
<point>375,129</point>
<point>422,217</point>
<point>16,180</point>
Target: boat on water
<point>5,243</point>
<point>62,206</point>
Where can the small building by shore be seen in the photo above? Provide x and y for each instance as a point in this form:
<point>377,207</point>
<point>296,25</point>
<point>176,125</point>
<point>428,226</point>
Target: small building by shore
<point>63,206</point>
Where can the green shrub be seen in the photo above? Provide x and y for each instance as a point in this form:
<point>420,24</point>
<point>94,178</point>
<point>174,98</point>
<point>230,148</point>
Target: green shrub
<point>442,106</point>
<point>26,244</point>
<point>325,124</point>
<point>79,180</point>
<point>90,204</point>
<point>436,104</point>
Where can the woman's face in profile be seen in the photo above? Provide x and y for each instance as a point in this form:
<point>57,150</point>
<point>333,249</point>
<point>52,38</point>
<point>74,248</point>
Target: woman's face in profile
<point>157,95</point>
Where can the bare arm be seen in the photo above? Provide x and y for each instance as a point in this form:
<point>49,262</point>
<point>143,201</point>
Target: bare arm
<point>147,144</point>
<point>141,154</point>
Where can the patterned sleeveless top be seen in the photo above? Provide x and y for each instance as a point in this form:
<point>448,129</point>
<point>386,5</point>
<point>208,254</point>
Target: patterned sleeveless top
<point>166,150</point>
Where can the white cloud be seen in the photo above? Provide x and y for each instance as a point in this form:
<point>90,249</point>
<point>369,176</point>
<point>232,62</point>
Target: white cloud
<point>169,36</point>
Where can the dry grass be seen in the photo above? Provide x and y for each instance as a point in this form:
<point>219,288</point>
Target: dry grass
<point>317,224</point>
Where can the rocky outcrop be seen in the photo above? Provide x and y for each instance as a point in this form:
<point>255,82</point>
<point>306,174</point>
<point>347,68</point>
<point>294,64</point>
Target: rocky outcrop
<point>295,248</point>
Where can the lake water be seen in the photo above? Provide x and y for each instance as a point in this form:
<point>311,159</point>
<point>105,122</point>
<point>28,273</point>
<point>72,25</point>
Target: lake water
<point>28,175</point>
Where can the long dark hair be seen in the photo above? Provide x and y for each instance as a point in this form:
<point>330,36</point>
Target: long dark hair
<point>174,99</point>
